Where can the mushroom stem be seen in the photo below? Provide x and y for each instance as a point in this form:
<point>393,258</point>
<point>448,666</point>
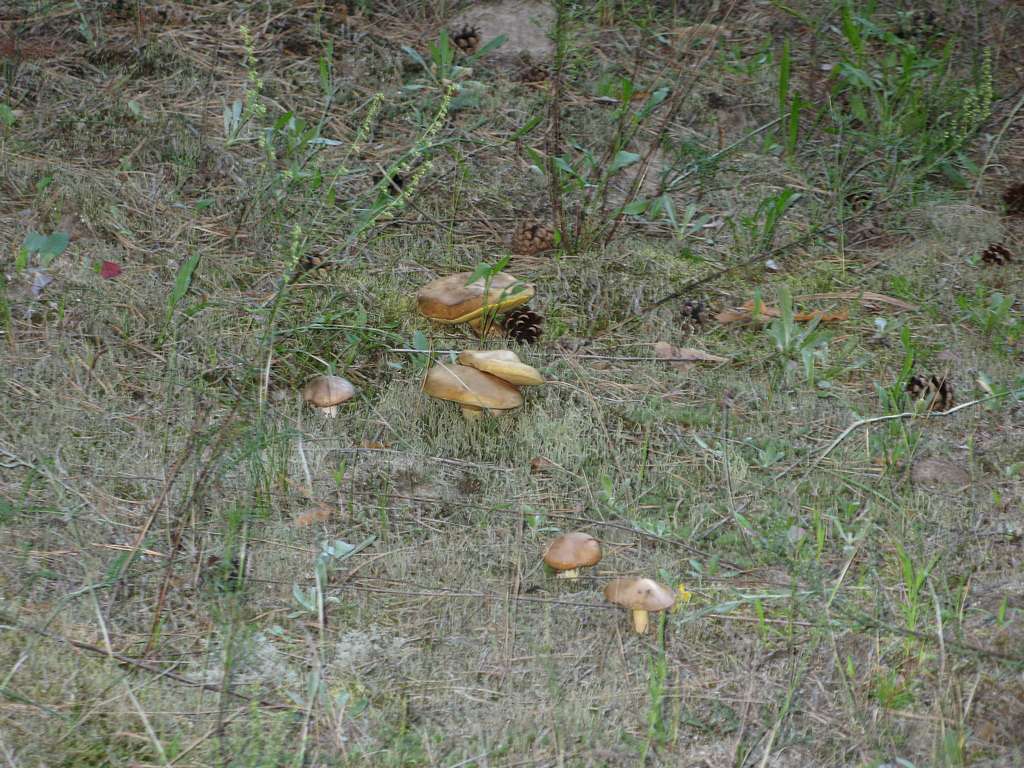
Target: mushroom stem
<point>471,412</point>
<point>330,410</point>
<point>640,621</point>
<point>573,573</point>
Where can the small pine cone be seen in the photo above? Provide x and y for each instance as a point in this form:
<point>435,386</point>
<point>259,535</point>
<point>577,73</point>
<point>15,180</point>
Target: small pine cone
<point>996,253</point>
<point>394,185</point>
<point>921,25</point>
<point>694,311</point>
<point>532,237</point>
<point>1014,199</point>
<point>533,73</point>
<point>936,391</point>
<point>312,260</point>
<point>524,325</point>
<point>467,40</point>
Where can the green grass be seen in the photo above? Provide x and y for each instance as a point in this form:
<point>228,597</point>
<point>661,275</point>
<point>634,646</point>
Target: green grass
<point>164,599</point>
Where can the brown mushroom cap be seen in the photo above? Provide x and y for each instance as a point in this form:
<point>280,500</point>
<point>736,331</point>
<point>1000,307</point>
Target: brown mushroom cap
<point>639,594</point>
<point>469,386</point>
<point>327,391</point>
<point>573,550</point>
<point>503,363</point>
<point>450,300</point>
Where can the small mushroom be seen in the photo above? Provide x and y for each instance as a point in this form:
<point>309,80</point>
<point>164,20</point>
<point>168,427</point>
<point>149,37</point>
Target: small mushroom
<point>503,363</point>
<point>570,552</point>
<point>326,393</point>
<point>451,300</point>
<point>474,390</point>
<point>641,597</point>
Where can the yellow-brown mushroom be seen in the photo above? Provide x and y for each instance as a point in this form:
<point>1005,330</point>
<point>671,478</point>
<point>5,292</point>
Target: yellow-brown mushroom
<point>326,393</point>
<point>503,363</point>
<point>474,390</point>
<point>453,299</point>
<point>642,597</point>
<point>570,552</point>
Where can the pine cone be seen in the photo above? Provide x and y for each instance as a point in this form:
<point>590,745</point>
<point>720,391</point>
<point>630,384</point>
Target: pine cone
<point>938,392</point>
<point>532,237</point>
<point>394,185</point>
<point>467,40</point>
<point>920,25</point>
<point>524,325</point>
<point>1014,199</point>
<point>694,311</point>
<point>533,73</point>
<point>311,260</point>
<point>996,253</point>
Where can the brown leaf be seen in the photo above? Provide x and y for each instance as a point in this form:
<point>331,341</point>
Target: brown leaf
<point>683,358</point>
<point>746,314</point>
<point>732,315</point>
<point>539,465</point>
<point>867,298</point>
<point>319,514</point>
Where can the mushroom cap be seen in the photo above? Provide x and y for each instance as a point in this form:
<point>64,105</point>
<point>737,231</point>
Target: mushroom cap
<point>573,550</point>
<point>639,594</point>
<point>450,300</point>
<point>469,386</point>
<point>503,363</point>
<point>327,391</point>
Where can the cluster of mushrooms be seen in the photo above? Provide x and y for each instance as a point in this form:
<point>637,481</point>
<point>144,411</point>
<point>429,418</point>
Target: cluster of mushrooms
<point>570,552</point>
<point>489,382</point>
<point>481,381</point>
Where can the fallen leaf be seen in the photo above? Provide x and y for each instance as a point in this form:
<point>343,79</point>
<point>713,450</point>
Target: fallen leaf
<point>319,514</point>
<point>540,465</point>
<point>732,315</point>
<point>687,34</point>
<point>109,270</point>
<point>683,358</point>
<point>746,313</point>
<point>867,298</point>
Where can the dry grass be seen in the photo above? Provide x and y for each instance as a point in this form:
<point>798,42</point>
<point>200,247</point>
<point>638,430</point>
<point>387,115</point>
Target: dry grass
<point>842,612</point>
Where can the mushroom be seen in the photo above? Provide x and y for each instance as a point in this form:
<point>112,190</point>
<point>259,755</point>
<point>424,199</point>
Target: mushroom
<point>503,363</point>
<point>326,393</point>
<point>641,597</point>
<point>474,390</point>
<point>570,552</point>
<point>451,300</point>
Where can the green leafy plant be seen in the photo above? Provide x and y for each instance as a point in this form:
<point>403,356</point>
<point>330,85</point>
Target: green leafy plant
<point>994,314</point>
<point>182,282</point>
<point>7,117</point>
<point>442,67</point>
<point>891,96</point>
<point>914,577</point>
<point>241,112</point>
<point>332,553</point>
<point>762,226</point>
<point>891,691</point>
<point>793,341</point>
<point>45,247</point>
<point>661,730</point>
<point>583,178</point>
<point>486,272</point>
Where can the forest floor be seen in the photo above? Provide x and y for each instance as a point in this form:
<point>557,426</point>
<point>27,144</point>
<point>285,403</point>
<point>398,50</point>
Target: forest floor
<point>782,344</point>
